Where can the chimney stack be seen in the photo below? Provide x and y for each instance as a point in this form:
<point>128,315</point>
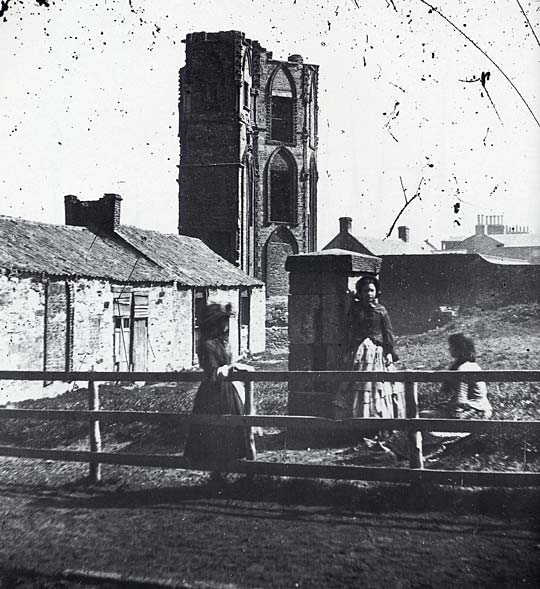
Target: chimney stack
<point>480,228</point>
<point>102,214</point>
<point>345,224</point>
<point>403,233</point>
<point>295,58</point>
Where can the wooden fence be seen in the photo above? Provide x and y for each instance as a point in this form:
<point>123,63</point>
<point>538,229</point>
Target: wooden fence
<point>412,424</point>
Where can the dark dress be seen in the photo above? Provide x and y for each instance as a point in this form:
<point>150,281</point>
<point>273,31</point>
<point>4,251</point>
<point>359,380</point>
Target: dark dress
<point>216,396</point>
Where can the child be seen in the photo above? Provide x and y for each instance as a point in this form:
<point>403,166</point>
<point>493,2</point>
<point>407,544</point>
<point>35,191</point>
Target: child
<point>217,396</point>
<point>467,400</point>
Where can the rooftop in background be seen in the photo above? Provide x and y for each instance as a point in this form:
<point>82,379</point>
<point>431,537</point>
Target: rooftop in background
<point>345,240</point>
<point>493,238</point>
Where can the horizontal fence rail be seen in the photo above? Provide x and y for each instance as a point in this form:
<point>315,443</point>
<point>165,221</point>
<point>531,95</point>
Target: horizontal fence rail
<point>412,424</point>
<point>283,376</point>
<point>278,421</point>
<point>284,469</point>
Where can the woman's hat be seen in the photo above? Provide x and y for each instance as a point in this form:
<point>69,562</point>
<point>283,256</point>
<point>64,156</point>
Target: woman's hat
<point>214,312</point>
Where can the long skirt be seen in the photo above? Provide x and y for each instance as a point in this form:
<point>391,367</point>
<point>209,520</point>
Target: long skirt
<point>370,399</point>
<point>210,444</point>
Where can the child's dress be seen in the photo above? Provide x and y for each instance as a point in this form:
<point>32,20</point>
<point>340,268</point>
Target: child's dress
<point>217,396</point>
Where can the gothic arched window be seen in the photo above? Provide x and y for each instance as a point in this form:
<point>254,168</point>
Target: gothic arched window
<point>282,107</point>
<point>281,187</point>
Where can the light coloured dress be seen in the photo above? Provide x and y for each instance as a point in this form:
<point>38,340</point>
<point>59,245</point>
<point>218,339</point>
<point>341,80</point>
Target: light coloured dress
<point>371,340</point>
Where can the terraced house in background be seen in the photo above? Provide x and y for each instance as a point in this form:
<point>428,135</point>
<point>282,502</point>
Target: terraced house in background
<point>248,153</point>
<point>95,294</point>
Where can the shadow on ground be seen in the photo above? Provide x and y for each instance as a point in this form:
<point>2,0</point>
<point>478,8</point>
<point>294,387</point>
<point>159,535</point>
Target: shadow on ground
<point>375,498</point>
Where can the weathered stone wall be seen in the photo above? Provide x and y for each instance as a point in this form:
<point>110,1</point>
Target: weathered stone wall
<point>58,325</point>
<point>86,340</point>
<point>269,256</point>
<point>257,339</point>
<point>92,325</point>
<point>22,308</point>
<point>277,333</point>
<point>170,330</point>
<point>414,286</point>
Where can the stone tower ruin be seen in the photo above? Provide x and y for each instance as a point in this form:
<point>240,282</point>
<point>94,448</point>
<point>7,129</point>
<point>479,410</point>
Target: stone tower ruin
<point>248,153</point>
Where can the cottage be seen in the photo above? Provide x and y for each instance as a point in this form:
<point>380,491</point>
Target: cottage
<point>94,294</point>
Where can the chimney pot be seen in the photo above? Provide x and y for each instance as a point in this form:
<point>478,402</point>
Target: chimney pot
<point>345,224</point>
<point>403,233</point>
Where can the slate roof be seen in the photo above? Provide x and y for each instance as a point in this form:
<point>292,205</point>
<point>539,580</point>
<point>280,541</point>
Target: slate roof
<point>188,259</point>
<point>65,250</point>
<point>507,239</point>
<point>518,239</point>
<point>376,247</point>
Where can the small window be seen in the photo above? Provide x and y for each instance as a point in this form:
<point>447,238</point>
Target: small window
<point>200,297</point>
<point>245,307</point>
<point>200,304</point>
<point>246,95</point>
<point>282,119</point>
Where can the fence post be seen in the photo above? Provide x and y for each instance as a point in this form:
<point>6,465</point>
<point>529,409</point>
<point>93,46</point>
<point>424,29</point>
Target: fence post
<point>94,473</point>
<point>248,410</point>
<point>248,406</point>
<point>416,456</point>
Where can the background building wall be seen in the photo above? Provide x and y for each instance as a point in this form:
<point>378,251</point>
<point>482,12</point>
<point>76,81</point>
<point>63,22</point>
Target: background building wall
<point>414,286</point>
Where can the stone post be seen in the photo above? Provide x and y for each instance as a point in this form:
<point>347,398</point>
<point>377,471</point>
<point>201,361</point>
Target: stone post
<point>319,299</point>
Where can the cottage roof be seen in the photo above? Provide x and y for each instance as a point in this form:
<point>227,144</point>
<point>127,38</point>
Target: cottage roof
<point>376,247</point>
<point>64,250</point>
<point>187,259</point>
<point>128,255</point>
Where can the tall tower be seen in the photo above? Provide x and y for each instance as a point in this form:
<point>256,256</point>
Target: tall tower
<point>248,153</point>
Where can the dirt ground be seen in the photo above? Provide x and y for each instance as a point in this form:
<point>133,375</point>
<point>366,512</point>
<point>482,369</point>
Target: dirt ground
<point>173,528</point>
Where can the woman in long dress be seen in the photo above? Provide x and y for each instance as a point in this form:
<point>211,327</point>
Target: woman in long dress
<point>371,347</point>
<point>210,444</point>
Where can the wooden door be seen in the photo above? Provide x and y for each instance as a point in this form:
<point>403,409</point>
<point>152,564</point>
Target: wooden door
<point>140,344</point>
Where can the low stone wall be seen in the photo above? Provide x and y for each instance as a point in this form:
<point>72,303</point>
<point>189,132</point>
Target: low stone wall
<point>277,320</point>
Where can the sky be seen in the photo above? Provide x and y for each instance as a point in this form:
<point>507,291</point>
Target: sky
<point>408,105</point>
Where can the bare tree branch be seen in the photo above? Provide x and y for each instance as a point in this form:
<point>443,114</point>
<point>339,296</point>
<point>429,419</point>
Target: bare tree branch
<point>407,203</point>
<point>528,21</point>
<point>404,189</point>
<point>435,9</point>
